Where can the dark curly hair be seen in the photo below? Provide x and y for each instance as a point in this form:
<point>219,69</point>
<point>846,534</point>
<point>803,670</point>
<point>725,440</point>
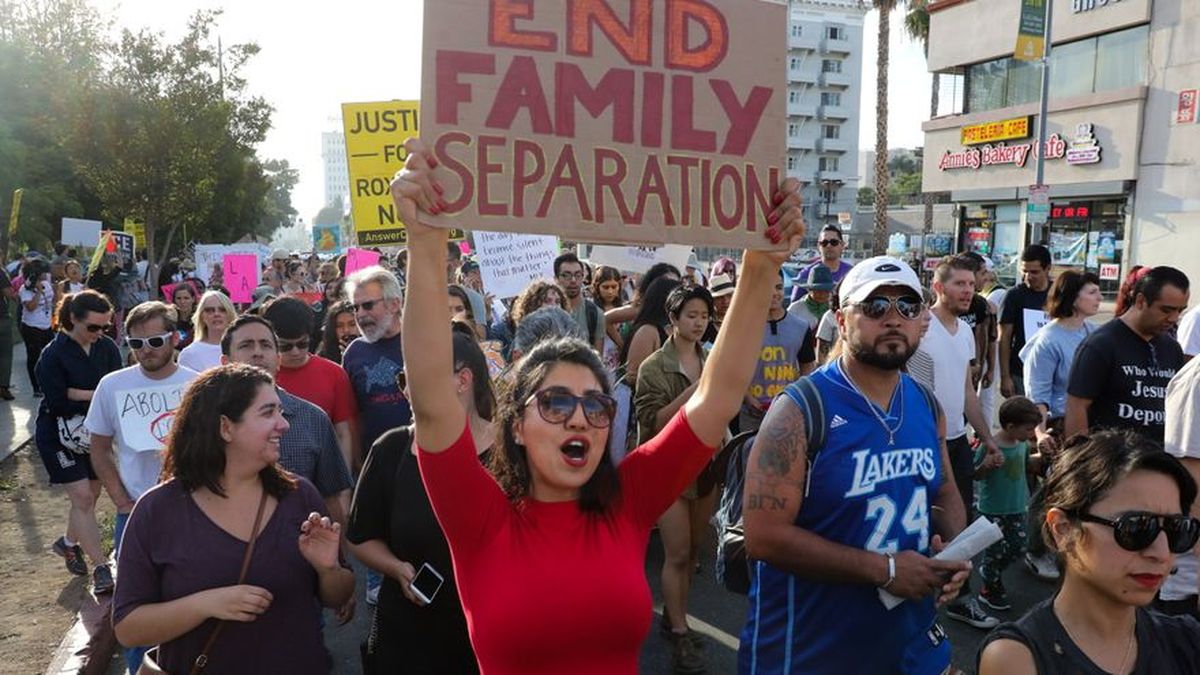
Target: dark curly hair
<point>511,465</point>
<point>195,453</point>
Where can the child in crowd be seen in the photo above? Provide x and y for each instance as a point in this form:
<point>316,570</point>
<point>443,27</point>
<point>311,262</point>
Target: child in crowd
<point>1004,494</point>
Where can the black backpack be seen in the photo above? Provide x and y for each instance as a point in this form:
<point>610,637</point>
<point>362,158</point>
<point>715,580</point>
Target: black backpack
<point>732,565</point>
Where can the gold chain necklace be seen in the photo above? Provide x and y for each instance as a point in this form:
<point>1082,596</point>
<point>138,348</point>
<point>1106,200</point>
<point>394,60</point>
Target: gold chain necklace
<point>1128,647</point>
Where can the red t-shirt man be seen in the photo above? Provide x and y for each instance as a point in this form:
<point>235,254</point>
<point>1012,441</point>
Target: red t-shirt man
<point>322,383</point>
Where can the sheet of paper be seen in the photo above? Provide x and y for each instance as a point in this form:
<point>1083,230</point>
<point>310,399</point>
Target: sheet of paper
<point>969,543</point>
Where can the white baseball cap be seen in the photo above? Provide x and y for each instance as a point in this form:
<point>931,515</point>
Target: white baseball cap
<point>874,273</point>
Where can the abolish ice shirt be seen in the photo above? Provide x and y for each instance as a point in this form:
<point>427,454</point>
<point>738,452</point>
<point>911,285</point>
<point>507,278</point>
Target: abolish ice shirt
<point>1125,377</point>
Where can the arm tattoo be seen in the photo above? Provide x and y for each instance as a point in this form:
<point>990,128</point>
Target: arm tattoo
<point>765,502</point>
<point>782,438</point>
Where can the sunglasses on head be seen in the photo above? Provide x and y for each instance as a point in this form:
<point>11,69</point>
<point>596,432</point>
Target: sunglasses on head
<point>289,345</point>
<point>366,305</point>
<point>556,405</point>
<point>907,306</point>
<point>1137,530</point>
<point>96,327</point>
<point>154,341</point>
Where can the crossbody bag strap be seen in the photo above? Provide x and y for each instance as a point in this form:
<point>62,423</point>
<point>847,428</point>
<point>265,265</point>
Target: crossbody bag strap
<point>202,659</point>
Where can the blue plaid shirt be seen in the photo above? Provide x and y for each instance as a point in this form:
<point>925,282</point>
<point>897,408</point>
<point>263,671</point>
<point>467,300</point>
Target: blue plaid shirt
<point>310,448</point>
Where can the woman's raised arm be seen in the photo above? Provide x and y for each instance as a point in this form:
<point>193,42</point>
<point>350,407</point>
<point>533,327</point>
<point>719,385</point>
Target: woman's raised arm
<point>730,367</point>
<point>428,356</point>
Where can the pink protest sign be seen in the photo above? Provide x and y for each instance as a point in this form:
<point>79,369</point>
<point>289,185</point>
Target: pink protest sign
<point>358,258</point>
<point>168,292</point>
<point>241,274</point>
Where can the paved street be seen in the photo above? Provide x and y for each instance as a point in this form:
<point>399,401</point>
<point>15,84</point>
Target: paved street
<point>718,615</point>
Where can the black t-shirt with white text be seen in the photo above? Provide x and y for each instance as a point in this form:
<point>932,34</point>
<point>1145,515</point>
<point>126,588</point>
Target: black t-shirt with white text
<point>1024,308</point>
<point>1125,377</point>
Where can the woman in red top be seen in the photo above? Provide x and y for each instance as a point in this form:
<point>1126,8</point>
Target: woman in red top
<point>549,555</point>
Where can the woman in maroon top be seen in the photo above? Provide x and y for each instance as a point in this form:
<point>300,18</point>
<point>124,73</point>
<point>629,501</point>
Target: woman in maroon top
<point>549,555</point>
<point>183,547</point>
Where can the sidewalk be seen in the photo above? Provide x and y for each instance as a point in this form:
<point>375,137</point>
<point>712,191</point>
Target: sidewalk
<point>17,417</point>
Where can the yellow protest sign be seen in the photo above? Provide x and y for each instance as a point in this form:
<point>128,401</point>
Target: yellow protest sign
<point>375,134</point>
<point>138,230</point>
<point>16,211</point>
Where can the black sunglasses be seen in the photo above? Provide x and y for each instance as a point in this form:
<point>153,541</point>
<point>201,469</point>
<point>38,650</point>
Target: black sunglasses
<point>907,306</point>
<point>366,305</point>
<point>289,345</point>
<point>155,341</point>
<point>829,242</point>
<point>96,327</point>
<point>1137,530</point>
<point>556,405</point>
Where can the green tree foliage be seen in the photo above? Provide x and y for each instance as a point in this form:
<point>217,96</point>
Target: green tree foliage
<point>138,126</point>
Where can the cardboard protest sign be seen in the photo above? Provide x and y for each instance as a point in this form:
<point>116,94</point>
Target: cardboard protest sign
<point>639,259</point>
<point>241,272</point>
<point>146,413</point>
<point>80,232</point>
<point>508,262</point>
<point>359,258</point>
<point>607,120</point>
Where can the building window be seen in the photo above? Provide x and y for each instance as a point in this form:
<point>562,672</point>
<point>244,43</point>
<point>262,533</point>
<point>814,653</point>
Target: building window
<point>797,30</point>
<point>831,131</point>
<point>791,163</point>
<point>1073,69</point>
<point>831,66</point>
<point>1121,59</point>
<point>834,33</point>
<point>793,96</point>
<point>828,163</point>
<point>1111,61</point>
<point>792,129</point>
<point>794,63</point>
<point>831,98</point>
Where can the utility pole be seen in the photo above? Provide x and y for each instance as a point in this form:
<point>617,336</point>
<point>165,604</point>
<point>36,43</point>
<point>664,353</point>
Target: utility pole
<point>1039,230</point>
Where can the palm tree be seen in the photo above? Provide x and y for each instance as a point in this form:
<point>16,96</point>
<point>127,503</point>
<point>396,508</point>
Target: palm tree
<point>885,8</point>
<point>916,25</point>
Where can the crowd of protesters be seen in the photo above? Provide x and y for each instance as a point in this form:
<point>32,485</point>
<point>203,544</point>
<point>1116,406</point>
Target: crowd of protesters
<point>498,464</point>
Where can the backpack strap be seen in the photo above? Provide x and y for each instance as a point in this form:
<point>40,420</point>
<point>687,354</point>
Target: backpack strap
<point>804,393</point>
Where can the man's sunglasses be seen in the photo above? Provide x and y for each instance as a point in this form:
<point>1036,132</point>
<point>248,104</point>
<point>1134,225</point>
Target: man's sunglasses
<point>366,305</point>
<point>829,242</point>
<point>97,327</point>
<point>1137,530</point>
<point>907,306</point>
<point>154,341</point>
<point>289,345</point>
<point>556,405</point>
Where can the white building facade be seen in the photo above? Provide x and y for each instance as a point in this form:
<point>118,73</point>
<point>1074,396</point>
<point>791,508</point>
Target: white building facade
<point>337,175</point>
<point>1121,144</point>
<point>825,59</point>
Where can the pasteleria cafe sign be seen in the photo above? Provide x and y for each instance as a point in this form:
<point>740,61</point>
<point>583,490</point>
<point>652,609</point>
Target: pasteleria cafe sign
<point>1082,149</point>
<point>636,121</point>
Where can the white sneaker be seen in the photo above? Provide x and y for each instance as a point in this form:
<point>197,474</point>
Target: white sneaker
<point>1043,566</point>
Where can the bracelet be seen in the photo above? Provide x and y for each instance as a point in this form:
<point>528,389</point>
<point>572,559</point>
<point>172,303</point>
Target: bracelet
<point>891,561</point>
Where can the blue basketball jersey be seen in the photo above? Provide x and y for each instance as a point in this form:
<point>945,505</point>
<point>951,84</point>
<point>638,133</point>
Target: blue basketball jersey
<point>866,493</point>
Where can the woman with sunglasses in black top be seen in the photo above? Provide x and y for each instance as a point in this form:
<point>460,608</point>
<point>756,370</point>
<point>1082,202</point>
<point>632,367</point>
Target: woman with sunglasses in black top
<point>549,554</point>
<point>1116,512</point>
<point>68,371</point>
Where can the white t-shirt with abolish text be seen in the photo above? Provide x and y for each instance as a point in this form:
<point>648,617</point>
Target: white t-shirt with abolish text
<point>137,412</point>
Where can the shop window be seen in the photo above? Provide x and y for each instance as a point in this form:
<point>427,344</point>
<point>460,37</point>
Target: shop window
<point>1121,59</point>
<point>986,85</point>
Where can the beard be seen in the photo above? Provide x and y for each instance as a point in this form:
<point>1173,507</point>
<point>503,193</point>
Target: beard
<point>885,359</point>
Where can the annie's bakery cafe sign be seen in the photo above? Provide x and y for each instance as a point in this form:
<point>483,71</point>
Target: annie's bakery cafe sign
<point>1083,148</point>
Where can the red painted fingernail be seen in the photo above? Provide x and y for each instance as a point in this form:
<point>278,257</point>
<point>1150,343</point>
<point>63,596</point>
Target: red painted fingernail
<point>778,197</point>
<point>434,209</point>
<point>438,188</point>
<point>773,218</point>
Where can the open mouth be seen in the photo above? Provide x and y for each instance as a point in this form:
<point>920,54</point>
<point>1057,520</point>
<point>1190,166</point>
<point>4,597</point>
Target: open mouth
<point>575,452</point>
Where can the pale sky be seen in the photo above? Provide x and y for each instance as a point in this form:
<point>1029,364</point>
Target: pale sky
<point>316,56</point>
